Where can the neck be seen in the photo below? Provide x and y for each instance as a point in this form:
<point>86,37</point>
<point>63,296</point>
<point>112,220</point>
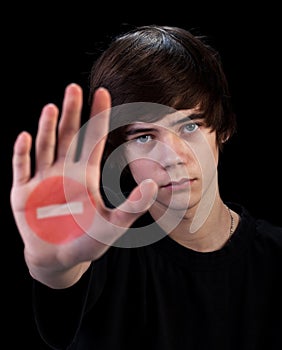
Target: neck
<point>211,235</point>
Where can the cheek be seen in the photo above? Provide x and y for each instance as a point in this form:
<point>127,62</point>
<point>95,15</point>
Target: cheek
<point>206,152</point>
<point>143,169</point>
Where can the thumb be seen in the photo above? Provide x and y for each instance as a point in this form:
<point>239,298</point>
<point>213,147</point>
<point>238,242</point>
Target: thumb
<point>139,201</point>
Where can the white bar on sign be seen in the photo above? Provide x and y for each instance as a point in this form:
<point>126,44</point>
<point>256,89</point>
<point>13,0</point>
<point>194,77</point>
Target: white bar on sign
<point>59,210</point>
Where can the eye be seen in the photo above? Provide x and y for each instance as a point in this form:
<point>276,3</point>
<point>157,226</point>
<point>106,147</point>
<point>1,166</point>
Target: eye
<point>190,128</point>
<point>143,138</point>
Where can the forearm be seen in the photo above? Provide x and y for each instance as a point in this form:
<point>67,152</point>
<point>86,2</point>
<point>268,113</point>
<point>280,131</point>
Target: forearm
<point>58,312</point>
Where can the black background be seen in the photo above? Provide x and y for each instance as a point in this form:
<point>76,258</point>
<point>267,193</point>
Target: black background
<point>44,48</point>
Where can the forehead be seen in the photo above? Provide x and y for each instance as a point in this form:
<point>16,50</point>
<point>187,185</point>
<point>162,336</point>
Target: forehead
<point>172,119</point>
<point>126,115</point>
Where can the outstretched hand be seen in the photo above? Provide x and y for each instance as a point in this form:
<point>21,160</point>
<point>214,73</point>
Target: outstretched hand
<point>59,210</point>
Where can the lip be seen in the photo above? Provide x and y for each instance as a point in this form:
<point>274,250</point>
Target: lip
<point>182,184</point>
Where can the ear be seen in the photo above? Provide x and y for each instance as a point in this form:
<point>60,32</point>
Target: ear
<point>224,137</point>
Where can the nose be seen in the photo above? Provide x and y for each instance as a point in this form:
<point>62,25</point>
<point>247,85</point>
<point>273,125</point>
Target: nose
<point>172,150</point>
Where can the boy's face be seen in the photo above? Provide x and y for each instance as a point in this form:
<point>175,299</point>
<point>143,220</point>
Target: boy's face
<point>179,153</point>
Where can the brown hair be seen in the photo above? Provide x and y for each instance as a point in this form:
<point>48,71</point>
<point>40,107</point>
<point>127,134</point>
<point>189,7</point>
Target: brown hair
<point>168,66</point>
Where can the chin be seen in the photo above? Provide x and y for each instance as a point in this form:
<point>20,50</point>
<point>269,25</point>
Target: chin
<point>175,205</point>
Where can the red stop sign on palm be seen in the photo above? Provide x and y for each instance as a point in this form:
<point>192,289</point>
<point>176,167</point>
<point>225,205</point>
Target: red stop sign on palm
<point>60,209</point>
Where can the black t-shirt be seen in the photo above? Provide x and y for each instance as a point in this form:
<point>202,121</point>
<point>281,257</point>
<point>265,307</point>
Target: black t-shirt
<point>164,296</point>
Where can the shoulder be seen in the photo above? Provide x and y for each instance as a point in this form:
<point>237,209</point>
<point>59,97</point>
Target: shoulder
<point>259,230</point>
<point>269,232</point>
<point>263,226</point>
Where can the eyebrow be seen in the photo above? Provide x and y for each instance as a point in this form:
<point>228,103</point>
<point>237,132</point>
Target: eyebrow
<point>135,129</point>
<point>188,118</point>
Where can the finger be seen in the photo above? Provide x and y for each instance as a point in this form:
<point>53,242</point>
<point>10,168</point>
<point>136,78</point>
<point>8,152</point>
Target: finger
<point>46,137</point>
<point>97,129</point>
<point>70,122</point>
<point>139,201</point>
<point>21,159</point>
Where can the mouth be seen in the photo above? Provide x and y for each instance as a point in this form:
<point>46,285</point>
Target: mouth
<point>184,183</point>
